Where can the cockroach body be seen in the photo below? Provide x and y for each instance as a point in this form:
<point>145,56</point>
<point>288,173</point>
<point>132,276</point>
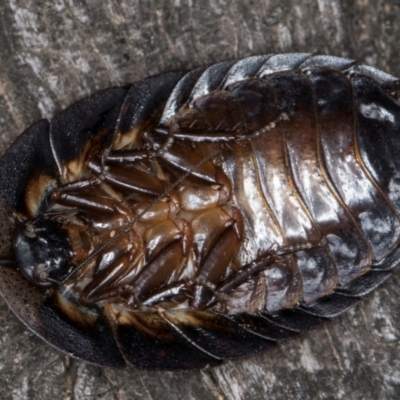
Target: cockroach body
<point>199,216</point>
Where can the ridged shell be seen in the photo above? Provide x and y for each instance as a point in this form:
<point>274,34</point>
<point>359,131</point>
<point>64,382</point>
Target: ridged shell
<point>310,145</point>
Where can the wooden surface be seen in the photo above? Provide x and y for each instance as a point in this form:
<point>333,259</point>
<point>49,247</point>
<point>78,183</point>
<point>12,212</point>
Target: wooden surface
<point>55,52</point>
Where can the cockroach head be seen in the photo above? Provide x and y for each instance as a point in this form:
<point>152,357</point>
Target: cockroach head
<point>43,252</point>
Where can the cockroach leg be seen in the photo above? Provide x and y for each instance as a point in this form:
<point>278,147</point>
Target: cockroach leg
<point>270,258</point>
<point>130,224</point>
<point>166,293</point>
<point>160,139</point>
<point>105,284</point>
<point>167,246</point>
<point>183,160</point>
<point>247,272</point>
<point>126,179</point>
<point>83,201</point>
<point>79,185</point>
<point>206,186</point>
<point>172,154</point>
<point>67,195</point>
<point>212,137</point>
<point>290,249</point>
<point>128,156</point>
<point>60,213</point>
<point>124,275</point>
<point>114,268</point>
<point>156,272</point>
<point>225,229</point>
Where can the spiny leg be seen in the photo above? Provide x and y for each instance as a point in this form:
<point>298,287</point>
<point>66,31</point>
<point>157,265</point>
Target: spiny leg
<point>217,239</point>
<point>76,194</point>
<point>182,158</point>
<point>137,273</point>
<point>128,179</point>
<point>168,245</point>
<point>173,209</point>
<point>167,251</point>
<point>272,258</point>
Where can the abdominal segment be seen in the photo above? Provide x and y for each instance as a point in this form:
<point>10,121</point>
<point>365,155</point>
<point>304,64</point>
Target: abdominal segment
<point>251,196</point>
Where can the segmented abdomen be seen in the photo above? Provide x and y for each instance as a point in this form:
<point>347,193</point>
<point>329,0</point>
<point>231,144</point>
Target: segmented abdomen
<point>302,166</point>
<point>294,160</point>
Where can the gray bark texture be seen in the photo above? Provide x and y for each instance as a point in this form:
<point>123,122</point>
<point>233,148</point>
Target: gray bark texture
<point>53,53</point>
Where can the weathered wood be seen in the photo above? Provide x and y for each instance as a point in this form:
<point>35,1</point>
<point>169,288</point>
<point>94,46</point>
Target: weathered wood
<point>53,53</point>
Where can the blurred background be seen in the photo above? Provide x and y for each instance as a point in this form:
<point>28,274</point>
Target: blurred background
<point>53,53</point>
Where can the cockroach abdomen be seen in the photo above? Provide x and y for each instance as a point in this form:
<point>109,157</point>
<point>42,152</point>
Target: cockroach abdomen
<point>199,216</point>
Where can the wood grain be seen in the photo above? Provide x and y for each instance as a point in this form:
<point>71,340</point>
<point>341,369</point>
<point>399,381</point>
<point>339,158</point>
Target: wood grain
<point>55,52</point>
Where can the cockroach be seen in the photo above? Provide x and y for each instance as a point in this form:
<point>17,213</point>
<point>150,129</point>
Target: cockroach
<point>199,216</point>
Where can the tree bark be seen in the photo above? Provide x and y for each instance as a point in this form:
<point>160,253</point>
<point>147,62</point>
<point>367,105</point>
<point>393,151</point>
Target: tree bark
<point>53,53</point>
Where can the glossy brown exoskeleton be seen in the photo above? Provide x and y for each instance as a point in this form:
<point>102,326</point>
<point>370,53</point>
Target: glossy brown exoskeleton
<point>198,216</point>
